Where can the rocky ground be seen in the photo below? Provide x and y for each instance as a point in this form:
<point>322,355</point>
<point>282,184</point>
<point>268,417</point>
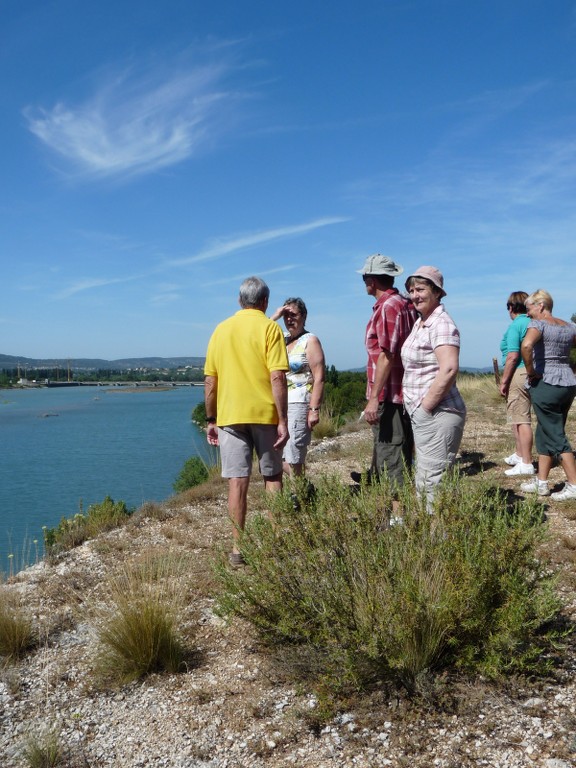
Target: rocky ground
<point>234,707</point>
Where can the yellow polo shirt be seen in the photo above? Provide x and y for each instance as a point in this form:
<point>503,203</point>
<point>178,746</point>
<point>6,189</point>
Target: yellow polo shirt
<point>242,352</point>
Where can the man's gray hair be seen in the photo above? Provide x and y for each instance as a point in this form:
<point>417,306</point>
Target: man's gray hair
<point>253,293</point>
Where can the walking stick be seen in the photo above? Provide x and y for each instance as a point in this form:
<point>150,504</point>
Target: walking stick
<point>496,371</point>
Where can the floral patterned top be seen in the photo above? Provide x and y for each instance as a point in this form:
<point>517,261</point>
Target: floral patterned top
<point>299,377</point>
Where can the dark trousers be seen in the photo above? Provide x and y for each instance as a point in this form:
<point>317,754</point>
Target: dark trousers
<point>551,405</point>
<point>393,442</point>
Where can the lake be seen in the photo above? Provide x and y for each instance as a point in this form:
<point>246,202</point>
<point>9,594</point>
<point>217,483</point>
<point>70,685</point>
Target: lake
<point>62,449</point>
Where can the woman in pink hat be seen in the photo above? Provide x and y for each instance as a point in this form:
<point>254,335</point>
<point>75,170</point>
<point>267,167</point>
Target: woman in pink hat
<point>431,398</point>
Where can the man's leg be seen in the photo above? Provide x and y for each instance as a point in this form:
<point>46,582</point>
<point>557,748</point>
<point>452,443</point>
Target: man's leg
<point>393,443</point>
<point>236,457</point>
<point>270,459</point>
<point>237,506</point>
<point>273,484</point>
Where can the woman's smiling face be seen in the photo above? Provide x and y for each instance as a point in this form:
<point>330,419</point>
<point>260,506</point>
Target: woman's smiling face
<point>424,297</point>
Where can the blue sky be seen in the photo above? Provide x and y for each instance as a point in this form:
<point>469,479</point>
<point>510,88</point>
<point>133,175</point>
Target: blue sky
<point>156,152</point>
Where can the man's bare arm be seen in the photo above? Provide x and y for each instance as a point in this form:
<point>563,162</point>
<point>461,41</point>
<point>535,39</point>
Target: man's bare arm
<point>210,401</point>
<point>381,376</point>
<point>280,395</point>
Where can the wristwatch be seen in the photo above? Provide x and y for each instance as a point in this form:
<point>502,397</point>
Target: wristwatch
<point>210,419</point>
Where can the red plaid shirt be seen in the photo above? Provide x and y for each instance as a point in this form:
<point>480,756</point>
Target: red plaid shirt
<point>392,319</point>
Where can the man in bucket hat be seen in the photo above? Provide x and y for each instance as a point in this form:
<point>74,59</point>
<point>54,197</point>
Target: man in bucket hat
<point>388,327</point>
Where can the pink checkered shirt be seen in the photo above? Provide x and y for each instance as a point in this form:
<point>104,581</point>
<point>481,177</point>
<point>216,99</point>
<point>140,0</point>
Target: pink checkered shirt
<point>421,364</point>
<point>392,319</point>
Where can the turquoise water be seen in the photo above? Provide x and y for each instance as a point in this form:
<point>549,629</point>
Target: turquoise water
<point>64,449</point>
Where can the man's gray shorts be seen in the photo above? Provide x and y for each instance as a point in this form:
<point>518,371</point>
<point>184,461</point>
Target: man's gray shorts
<point>239,441</point>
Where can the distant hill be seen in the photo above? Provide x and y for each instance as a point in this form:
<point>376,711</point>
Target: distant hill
<point>129,363</point>
<point>468,369</point>
<point>465,369</point>
<point>89,364</point>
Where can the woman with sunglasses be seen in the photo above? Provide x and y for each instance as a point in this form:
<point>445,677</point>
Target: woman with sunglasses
<point>513,387</point>
<point>305,381</point>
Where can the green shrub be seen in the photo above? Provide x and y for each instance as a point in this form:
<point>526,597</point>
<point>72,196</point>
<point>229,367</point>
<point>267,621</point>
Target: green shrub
<point>199,414</point>
<point>72,531</point>
<point>348,395</point>
<point>194,472</point>
<point>136,628</point>
<point>16,632</point>
<point>355,600</point>
<point>329,424</point>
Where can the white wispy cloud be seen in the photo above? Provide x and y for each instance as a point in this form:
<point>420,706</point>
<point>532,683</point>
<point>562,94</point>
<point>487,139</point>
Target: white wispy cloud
<point>165,298</point>
<point>239,278</point>
<point>222,247</point>
<point>525,185</point>
<point>139,122</point>
<point>480,113</point>
<point>169,292</point>
<point>89,283</point>
<point>166,293</point>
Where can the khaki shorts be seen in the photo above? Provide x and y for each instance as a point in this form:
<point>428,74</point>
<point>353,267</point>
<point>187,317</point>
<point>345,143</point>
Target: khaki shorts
<point>239,441</point>
<point>518,401</point>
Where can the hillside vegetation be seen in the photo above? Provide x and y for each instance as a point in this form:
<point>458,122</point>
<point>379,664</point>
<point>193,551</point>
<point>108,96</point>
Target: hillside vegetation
<point>446,641</point>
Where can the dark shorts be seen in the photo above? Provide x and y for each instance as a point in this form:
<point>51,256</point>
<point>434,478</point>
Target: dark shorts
<point>551,405</point>
<point>393,442</point>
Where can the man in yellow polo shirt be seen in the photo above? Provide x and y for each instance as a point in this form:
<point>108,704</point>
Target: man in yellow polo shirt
<point>246,399</point>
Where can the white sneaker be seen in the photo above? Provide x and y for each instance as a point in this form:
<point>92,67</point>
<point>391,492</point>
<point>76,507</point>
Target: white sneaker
<point>536,486</point>
<point>568,492</point>
<point>513,459</point>
<point>520,469</point>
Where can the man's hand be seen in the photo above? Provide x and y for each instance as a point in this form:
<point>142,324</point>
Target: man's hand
<point>504,389</point>
<point>282,432</point>
<point>371,411</point>
<point>212,434</point>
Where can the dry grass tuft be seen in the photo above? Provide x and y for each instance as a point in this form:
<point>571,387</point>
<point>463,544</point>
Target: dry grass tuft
<point>211,490</point>
<point>479,388</point>
<point>42,750</point>
<point>151,510</point>
<point>137,622</point>
<point>16,631</point>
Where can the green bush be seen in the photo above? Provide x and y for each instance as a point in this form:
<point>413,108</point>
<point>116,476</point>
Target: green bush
<point>329,423</point>
<point>347,395</point>
<point>199,414</point>
<point>355,600</point>
<point>194,472</point>
<point>72,531</point>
